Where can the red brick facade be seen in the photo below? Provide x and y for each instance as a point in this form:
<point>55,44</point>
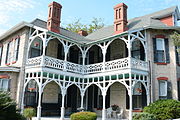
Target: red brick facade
<point>168,21</point>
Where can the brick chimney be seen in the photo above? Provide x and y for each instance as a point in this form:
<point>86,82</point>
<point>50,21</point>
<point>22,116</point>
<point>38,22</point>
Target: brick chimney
<point>120,18</point>
<point>54,16</point>
<point>83,33</point>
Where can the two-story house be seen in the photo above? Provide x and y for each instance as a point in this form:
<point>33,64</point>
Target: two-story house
<point>130,63</point>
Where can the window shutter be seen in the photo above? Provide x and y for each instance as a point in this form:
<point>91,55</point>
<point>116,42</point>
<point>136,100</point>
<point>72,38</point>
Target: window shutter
<point>169,90</point>
<point>177,55</point>
<point>167,50</point>
<point>7,53</point>
<point>154,48</point>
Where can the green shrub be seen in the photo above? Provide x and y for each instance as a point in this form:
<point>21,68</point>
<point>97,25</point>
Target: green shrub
<point>84,116</point>
<point>164,109</point>
<point>8,109</point>
<point>144,116</point>
<point>29,113</point>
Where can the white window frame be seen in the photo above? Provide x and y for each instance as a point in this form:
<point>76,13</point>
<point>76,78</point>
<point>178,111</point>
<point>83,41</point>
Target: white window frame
<point>1,51</point>
<point>165,88</point>
<point>2,88</point>
<point>9,54</point>
<point>16,45</point>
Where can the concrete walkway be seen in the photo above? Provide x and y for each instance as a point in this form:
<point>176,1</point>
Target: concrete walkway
<point>58,118</point>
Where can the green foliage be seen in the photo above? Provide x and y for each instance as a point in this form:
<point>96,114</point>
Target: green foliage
<point>144,116</point>
<point>8,109</point>
<point>76,26</point>
<point>84,116</point>
<point>164,109</point>
<point>176,40</point>
<point>29,113</point>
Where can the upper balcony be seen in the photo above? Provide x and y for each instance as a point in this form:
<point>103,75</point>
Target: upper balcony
<point>119,53</point>
<point>119,64</point>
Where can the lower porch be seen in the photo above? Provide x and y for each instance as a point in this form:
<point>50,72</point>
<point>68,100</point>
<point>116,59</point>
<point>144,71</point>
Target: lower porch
<point>116,94</point>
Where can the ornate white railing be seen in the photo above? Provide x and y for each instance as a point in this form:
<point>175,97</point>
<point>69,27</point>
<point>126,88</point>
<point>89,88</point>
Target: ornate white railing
<point>117,64</point>
<point>93,68</point>
<point>34,61</point>
<point>123,63</point>
<point>74,67</point>
<point>52,62</point>
<point>139,64</point>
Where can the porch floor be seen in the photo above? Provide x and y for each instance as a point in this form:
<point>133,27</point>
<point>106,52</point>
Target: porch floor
<point>58,118</point>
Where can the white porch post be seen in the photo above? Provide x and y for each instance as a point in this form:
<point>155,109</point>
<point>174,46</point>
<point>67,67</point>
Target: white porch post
<point>82,100</point>
<point>104,50</point>
<point>62,106</point>
<point>22,101</point>
<point>130,96</point>
<point>39,100</point>
<point>148,91</point>
<point>130,103</point>
<point>104,105</point>
<point>39,104</point>
<point>66,49</point>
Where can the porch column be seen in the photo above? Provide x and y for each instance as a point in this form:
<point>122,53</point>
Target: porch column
<point>82,100</point>
<point>63,92</point>
<point>39,104</point>
<point>66,50</point>
<point>130,105</point>
<point>130,97</point>
<point>104,106</point>
<point>104,56</point>
<point>148,91</point>
<point>22,101</point>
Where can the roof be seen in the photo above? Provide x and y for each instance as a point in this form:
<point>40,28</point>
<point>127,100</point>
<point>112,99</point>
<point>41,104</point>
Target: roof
<point>136,23</point>
<point>63,31</point>
<point>144,22</point>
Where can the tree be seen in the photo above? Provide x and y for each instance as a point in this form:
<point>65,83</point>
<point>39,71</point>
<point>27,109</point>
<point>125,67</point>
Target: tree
<point>176,40</point>
<point>8,109</point>
<point>76,26</point>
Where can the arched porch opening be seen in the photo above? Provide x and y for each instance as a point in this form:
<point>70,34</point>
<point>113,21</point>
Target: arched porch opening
<point>55,49</point>
<point>75,55</point>
<point>116,50</point>
<point>139,96</point>
<point>51,99</point>
<point>94,55</point>
<point>138,50</point>
<point>94,99</point>
<point>119,97</point>
<point>31,94</point>
<point>72,99</point>
<point>36,48</point>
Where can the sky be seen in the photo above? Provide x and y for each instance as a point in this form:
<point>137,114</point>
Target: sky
<point>13,12</point>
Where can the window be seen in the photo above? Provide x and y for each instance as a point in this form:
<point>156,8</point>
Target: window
<point>162,88</point>
<point>4,84</point>
<point>1,50</point>
<point>16,49</point>
<point>9,52</point>
<point>161,50</point>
